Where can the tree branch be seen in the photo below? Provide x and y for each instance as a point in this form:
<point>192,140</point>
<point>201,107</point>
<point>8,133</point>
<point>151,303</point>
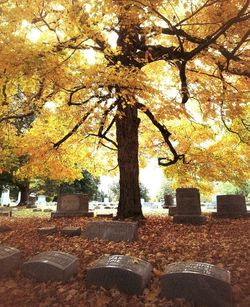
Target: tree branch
<point>166,135</point>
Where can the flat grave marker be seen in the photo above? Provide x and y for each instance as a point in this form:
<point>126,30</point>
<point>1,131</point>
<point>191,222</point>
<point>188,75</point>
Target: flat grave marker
<point>51,266</point>
<point>127,274</point>
<point>71,231</point>
<point>47,231</point>
<point>113,231</point>
<point>10,259</point>
<point>202,283</point>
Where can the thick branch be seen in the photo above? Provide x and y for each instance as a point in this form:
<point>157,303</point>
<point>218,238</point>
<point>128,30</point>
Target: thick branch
<point>166,135</point>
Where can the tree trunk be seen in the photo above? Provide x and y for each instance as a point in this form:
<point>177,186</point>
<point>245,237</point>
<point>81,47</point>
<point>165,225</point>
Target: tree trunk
<point>127,138</point>
<point>25,191</point>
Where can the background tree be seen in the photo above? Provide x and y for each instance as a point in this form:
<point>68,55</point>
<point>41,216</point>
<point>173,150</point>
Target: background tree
<point>175,71</point>
<point>89,184</point>
<point>115,191</point>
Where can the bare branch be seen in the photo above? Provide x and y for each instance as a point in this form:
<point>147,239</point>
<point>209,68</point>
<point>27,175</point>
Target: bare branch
<point>166,135</point>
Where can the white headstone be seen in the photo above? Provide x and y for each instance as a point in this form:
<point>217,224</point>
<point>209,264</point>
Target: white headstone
<point>41,200</point>
<point>5,198</point>
<point>106,200</point>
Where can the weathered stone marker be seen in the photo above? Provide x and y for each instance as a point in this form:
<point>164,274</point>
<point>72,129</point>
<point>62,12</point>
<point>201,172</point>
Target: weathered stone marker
<point>69,205</point>
<point>10,259</point>
<point>188,209</point>
<point>114,231</point>
<point>231,206</point>
<point>127,274</point>
<point>47,231</point>
<point>168,201</point>
<point>71,231</point>
<point>52,265</point>
<point>202,283</point>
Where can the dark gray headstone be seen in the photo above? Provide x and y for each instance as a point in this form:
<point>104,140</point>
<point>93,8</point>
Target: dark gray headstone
<point>47,210</point>
<point>37,210</point>
<point>47,231</point>
<point>127,274</point>
<point>114,231</point>
<point>69,205</point>
<point>52,265</point>
<point>71,231</point>
<point>231,206</point>
<point>188,207</point>
<point>168,201</point>
<point>202,283</point>
<point>10,259</point>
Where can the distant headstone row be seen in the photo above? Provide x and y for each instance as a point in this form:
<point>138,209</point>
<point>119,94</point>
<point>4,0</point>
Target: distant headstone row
<point>188,207</point>
<point>202,283</point>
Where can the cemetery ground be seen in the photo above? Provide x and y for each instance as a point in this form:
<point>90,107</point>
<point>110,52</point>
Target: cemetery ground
<point>222,242</point>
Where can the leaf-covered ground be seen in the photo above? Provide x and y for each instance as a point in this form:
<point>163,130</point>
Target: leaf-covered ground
<point>221,242</point>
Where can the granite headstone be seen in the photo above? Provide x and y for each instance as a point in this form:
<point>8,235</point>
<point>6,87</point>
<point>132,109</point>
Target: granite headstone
<point>231,206</point>
<point>69,205</point>
<point>10,259</point>
<point>51,266</point>
<point>127,274</point>
<point>188,207</point>
<point>202,283</point>
<point>113,231</point>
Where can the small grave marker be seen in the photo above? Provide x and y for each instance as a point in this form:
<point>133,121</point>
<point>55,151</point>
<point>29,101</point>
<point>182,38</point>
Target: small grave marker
<point>231,206</point>
<point>10,259</point>
<point>114,231</point>
<point>202,283</point>
<point>47,231</point>
<point>71,231</point>
<point>127,274</point>
<point>51,266</point>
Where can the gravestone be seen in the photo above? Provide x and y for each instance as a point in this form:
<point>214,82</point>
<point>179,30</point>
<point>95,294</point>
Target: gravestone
<point>10,259</point>
<point>168,201</point>
<point>202,283</point>
<point>41,200</point>
<point>31,202</point>
<point>47,231</point>
<point>188,207</point>
<point>127,274</point>
<point>231,206</point>
<point>114,231</point>
<point>71,231</point>
<point>51,266</point>
<point>69,205</point>
<point>5,197</point>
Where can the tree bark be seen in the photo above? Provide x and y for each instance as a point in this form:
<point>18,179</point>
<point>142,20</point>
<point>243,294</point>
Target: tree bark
<point>127,125</point>
<point>24,189</point>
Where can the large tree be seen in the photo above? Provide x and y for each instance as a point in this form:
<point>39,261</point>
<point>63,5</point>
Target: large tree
<point>175,71</point>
